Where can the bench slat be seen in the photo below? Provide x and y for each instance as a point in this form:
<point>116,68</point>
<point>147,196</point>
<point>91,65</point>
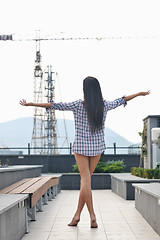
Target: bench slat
<point>26,185</point>
<point>13,186</point>
<point>40,192</point>
<point>37,185</point>
<point>54,181</point>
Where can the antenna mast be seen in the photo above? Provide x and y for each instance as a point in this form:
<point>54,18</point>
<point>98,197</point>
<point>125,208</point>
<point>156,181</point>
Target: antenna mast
<point>44,128</point>
<point>50,134</point>
<point>37,139</point>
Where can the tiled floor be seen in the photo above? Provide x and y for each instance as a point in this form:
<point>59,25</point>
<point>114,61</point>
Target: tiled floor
<point>117,220</point>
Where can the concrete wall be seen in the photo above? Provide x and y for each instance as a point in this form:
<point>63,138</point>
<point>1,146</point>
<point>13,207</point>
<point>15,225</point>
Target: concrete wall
<point>11,229</point>
<point>148,205</point>
<point>63,163</point>
<point>13,174</point>
<point>13,223</point>
<point>98,181</point>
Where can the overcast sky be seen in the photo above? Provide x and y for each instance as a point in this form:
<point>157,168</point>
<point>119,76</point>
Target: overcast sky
<point>128,61</point>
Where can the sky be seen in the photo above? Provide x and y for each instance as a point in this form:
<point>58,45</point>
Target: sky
<point>126,62</point>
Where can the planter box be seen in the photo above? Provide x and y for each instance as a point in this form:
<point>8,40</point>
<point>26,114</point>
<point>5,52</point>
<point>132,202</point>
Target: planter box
<point>121,184</point>
<point>147,202</point>
<point>71,181</point>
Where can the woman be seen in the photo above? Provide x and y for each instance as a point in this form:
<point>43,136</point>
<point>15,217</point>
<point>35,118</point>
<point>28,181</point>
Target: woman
<point>89,116</point>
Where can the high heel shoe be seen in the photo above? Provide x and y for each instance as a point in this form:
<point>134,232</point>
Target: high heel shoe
<point>74,222</point>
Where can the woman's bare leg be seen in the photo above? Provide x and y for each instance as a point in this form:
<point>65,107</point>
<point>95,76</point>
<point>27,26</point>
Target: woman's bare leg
<point>93,161</point>
<point>88,164</point>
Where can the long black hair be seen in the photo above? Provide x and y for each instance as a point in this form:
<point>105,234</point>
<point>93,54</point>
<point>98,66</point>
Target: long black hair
<point>93,103</point>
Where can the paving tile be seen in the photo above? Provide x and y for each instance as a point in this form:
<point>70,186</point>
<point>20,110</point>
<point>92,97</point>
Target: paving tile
<point>148,238</point>
<point>145,235</point>
<point>61,238</point>
<point>36,235</point>
<point>117,219</point>
<point>121,238</point>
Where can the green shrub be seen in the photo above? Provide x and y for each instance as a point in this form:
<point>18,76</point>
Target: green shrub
<point>113,167</point>
<point>100,166</point>
<point>157,173</point>
<point>106,167</point>
<point>146,173</point>
<point>140,172</point>
<point>75,168</point>
<point>134,171</point>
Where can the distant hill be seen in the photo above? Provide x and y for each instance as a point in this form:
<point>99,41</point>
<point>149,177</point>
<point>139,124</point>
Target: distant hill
<point>18,133</point>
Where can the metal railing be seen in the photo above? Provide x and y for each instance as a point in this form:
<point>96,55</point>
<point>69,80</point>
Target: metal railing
<point>28,149</point>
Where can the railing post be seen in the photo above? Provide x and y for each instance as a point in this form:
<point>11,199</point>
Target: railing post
<point>70,148</point>
<point>29,152</point>
<point>114,145</point>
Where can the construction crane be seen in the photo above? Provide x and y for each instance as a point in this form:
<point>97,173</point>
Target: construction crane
<point>44,129</point>
<point>44,135</point>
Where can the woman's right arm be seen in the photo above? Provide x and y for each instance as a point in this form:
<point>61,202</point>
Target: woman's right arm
<point>130,97</point>
<point>44,105</point>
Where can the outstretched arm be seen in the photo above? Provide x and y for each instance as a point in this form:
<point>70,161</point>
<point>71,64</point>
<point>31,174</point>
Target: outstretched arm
<point>44,105</point>
<point>130,97</point>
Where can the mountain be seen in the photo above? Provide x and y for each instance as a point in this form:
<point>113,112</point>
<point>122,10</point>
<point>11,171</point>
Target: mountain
<point>18,133</point>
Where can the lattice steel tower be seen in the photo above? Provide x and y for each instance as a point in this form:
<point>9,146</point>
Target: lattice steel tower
<point>50,136</point>
<point>44,128</point>
<point>37,134</point>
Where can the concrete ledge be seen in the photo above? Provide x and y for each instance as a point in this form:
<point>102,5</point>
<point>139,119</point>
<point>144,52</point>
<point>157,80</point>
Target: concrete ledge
<point>147,202</point>
<point>13,174</point>
<point>12,216</point>
<point>19,168</point>
<point>9,201</point>
<point>71,181</point>
<point>121,184</point>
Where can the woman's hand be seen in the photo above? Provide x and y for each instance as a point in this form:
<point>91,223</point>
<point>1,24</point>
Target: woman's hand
<point>44,105</point>
<point>130,97</point>
<point>145,93</point>
<point>23,102</point>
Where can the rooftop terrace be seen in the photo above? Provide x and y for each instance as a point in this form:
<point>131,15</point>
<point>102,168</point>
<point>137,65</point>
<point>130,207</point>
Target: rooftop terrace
<point>117,219</point>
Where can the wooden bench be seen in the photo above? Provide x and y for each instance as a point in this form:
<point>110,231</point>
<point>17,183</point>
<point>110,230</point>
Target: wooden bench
<point>39,189</point>
<point>13,224</point>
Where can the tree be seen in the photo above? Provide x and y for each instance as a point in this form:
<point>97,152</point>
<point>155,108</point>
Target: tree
<point>144,144</point>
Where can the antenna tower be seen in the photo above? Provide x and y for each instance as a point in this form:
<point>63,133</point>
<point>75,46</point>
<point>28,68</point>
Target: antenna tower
<point>44,136</point>
<point>50,134</point>
<point>37,134</point>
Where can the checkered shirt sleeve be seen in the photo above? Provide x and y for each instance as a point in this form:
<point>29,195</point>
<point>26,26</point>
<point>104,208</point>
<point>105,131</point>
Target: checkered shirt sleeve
<point>71,106</point>
<point>113,104</point>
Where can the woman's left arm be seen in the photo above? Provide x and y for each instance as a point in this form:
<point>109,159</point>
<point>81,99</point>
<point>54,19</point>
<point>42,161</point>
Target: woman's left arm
<point>43,105</point>
<point>130,97</point>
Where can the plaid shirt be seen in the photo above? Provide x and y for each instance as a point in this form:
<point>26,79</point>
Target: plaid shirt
<point>87,143</point>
